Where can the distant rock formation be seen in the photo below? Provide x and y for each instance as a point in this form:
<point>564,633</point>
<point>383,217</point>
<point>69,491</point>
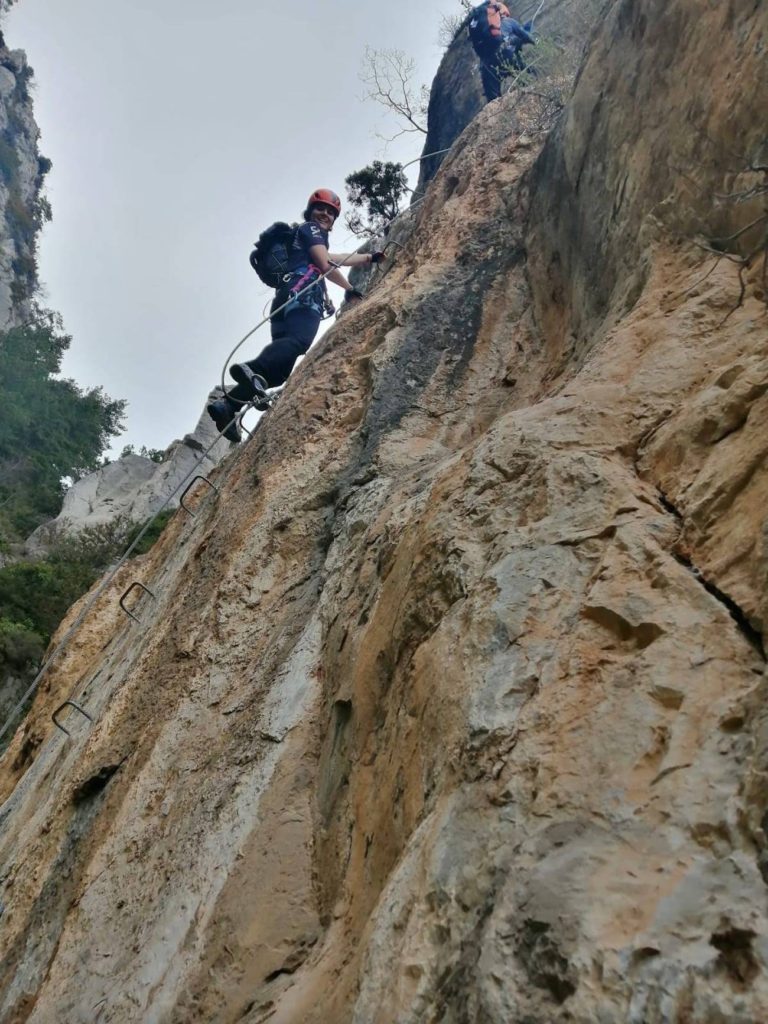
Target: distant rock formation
<point>22,170</point>
<point>133,487</point>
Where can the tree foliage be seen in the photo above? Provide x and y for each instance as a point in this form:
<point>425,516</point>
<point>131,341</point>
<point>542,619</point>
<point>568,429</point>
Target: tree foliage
<point>374,194</point>
<point>153,454</point>
<point>50,429</point>
<point>35,596</point>
<point>20,646</point>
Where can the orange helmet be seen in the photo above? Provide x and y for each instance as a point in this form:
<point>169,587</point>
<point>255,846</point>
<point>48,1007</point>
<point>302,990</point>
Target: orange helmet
<point>327,196</point>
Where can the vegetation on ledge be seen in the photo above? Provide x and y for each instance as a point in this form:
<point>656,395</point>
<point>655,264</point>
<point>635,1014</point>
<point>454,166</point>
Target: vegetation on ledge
<point>51,430</point>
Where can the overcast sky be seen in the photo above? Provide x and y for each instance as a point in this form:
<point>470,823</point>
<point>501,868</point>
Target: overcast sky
<point>178,130</point>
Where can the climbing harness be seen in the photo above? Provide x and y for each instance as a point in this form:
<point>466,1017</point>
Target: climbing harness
<point>516,61</point>
<point>308,277</point>
<point>274,313</point>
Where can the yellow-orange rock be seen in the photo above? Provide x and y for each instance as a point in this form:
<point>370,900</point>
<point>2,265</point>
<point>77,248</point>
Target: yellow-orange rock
<point>451,706</point>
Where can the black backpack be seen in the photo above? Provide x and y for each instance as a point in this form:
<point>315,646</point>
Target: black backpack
<point>270,256</point>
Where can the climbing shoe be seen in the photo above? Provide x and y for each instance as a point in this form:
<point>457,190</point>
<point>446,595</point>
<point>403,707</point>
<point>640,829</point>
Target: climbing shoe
<point>223,413</point>
<point>244,375</point>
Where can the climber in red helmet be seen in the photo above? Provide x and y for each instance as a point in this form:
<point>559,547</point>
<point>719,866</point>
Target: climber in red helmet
<point>304,295</point>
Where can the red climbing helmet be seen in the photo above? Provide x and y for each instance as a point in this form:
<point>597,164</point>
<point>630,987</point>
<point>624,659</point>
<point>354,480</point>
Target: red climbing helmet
<point>327,196</point>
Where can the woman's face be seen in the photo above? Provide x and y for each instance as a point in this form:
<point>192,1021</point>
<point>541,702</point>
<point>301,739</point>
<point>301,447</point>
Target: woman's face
<point>323,215</point>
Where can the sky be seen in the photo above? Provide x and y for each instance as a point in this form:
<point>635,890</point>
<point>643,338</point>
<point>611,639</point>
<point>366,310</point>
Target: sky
<point>178,131</point>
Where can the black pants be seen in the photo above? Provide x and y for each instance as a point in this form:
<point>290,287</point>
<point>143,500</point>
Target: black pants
<point>293,331</point>
<point>496,65</point>
<point>491,79</point>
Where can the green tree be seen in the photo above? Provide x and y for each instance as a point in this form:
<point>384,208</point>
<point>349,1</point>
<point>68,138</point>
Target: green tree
<point>20,647</point>
<point>35,596</point>
<point>375,193</point>
<point>50,428</point>
<point>154,454</point>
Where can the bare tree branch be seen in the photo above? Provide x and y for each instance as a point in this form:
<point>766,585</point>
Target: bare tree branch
<point>388,76</point>
<point>718,246</point>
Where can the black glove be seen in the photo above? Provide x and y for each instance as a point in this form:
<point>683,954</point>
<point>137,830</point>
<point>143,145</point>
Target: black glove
<point>352,293</point>
<point>378,257</point>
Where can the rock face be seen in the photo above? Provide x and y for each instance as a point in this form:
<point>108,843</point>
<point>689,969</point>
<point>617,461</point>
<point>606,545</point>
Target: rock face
<point>22,169</point>
<point>133,487</point>
<point>451,705</point>
<point>457,93</point>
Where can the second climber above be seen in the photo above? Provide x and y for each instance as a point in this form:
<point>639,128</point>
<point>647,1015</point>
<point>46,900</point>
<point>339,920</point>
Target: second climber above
<point>302,291</point>
<point>498,39</point>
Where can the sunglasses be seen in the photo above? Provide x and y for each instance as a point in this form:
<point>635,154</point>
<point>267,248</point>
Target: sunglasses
<point>324,208</point>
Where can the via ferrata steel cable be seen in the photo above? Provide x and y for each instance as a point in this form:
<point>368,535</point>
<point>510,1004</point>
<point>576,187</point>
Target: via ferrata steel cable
<point>539,9</point>
<point>63,643</point>
<point>100,590</point>
<point>108,579</point>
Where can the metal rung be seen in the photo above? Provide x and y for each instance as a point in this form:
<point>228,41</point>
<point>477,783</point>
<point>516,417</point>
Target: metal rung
<point>189,487</point>
<point>247,410</point>
<point>132,587</point>
<point>60,708</point>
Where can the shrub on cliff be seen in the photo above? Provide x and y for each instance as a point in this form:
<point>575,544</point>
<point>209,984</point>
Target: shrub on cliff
<point>20,646</point>
<point>35,596</point>
<point>153,454</point>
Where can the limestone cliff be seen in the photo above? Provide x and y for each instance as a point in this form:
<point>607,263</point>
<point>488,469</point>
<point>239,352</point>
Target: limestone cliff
<point>134,487</point>
<point>451,704</point>
<point>23,209</point>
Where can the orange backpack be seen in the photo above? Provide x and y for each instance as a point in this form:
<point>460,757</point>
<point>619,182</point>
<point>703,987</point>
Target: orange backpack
<point>495,13</point>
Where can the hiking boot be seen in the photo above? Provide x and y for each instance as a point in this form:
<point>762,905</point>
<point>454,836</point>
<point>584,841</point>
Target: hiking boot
<point>223,413</point>
<point>244,375</point>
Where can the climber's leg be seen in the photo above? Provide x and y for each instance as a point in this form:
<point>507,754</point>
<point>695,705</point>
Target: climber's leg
<point>491,79</point>
<point>223,412</point>
<point>292,335</point>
